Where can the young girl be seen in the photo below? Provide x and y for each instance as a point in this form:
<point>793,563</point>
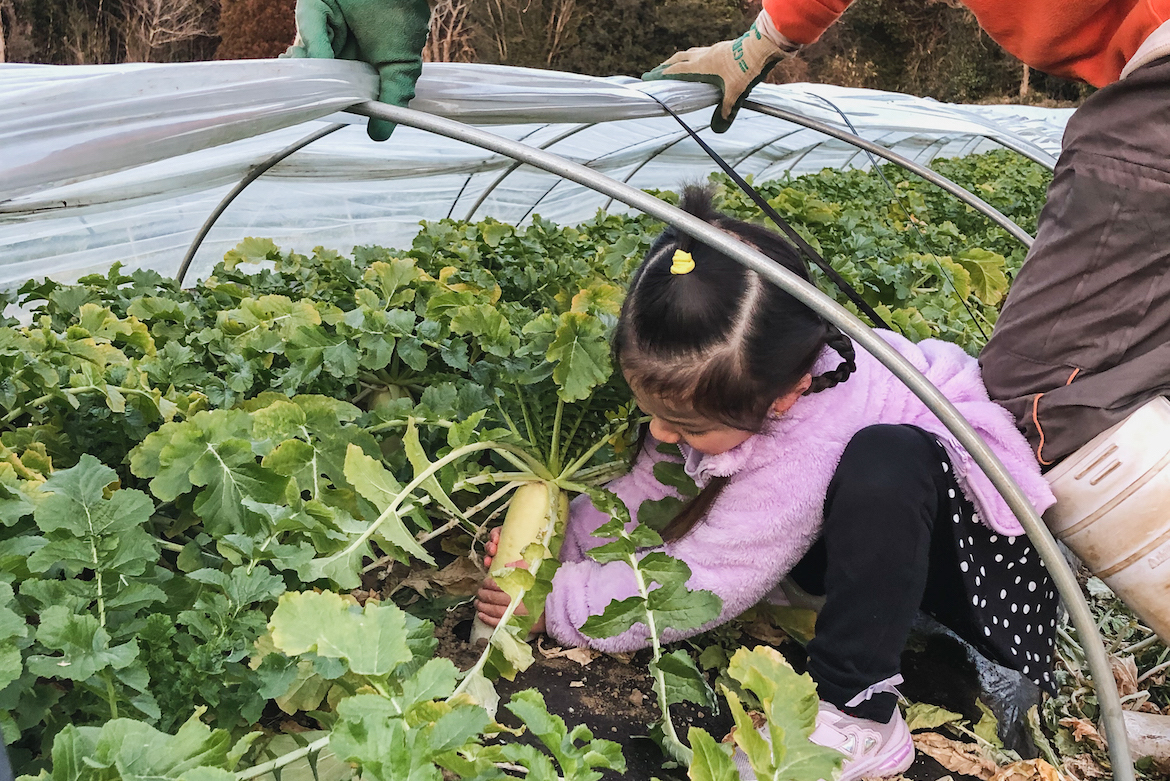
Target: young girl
<point>815,462</point>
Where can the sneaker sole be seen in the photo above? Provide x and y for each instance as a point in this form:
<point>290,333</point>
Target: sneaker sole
<point>887,766</point>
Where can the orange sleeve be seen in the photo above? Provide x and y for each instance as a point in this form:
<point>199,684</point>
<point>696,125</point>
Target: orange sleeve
<point>803,21</point>
<point>1089,40</point>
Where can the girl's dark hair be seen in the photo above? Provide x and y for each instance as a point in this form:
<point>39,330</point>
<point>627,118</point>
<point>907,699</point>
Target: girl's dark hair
<point>720,339</point>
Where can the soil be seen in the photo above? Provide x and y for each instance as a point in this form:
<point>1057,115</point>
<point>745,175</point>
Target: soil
<point>613,695</point>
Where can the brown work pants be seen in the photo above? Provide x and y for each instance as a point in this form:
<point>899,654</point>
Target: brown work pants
<point>1084,337</point>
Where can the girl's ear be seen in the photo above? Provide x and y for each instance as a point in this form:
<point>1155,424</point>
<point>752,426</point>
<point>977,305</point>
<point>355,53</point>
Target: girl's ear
<point>785,402</point>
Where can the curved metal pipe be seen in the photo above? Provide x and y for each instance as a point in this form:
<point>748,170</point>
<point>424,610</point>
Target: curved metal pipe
<point>760,147</point>
<point>826,307</point>
<point>763,174</point>
<point>966,196</point>
<point>508,171</point>
<point>1041,157</point>
<point>254,173</point>
<point>470,177</point>
<point>681,136</point>
<point>651,158</point>
<point>745,156</point>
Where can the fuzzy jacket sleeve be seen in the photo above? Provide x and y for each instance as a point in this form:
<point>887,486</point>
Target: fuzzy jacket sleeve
<point>739,551</point>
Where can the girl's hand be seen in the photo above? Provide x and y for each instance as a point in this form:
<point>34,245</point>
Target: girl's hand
<point>491,601</point>
<point>489,550</point>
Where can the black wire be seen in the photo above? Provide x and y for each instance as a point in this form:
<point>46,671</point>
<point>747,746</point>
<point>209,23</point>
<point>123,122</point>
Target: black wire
<point>798,240</point>
<point>909,216</point>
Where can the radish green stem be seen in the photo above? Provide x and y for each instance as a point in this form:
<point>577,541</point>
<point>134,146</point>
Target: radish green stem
<point>554,454</point>
<point>508,420</point>
<point>572,468</point>
<point>282,760</point>
<point>418,480</point>
<point>527,418</point>
<point>676,747</point>
<point>577,424</point>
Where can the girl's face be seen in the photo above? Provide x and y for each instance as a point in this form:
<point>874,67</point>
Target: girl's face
<point>671,424</point>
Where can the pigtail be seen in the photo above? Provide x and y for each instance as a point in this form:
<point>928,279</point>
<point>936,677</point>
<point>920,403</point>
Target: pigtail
<point>694,510</point>
<point>843,345</point>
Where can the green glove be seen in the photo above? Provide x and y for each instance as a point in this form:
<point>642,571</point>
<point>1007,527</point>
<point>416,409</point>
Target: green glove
<point>732,66</point>
<point>388,34</point>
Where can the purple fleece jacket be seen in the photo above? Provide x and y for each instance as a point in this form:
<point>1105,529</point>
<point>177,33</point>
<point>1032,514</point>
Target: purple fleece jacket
<point>771,510</point>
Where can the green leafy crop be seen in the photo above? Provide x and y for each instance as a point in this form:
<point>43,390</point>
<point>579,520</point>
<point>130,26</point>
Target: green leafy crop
<point>197,485</point>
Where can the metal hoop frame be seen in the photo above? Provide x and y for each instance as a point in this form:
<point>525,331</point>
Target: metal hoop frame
<point>254,173</point>
<point>1062,575</point>
<point>984,457</point>
<point>980,205</point>
<point>966,196</point>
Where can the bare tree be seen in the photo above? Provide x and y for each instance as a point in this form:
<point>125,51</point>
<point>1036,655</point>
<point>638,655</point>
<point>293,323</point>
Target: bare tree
<point>154,24</point>
<point>560,23</point>
<point>497,25</point>
<point>450,39</point>
<point>3,9</point>
<point>535,32</point>
<point>89,36</point>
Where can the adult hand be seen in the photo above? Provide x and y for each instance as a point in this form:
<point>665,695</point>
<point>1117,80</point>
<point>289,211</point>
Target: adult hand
<point>388,34</point>
<point>491,601</point>
<point>732,66</point>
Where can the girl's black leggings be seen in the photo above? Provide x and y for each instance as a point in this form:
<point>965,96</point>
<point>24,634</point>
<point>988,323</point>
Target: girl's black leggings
<point>878,562</point>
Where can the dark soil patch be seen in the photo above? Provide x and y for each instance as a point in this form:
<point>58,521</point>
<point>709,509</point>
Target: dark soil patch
<point>613,695</point>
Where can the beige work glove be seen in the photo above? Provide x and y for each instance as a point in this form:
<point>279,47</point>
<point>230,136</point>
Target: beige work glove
<point>732,66</point>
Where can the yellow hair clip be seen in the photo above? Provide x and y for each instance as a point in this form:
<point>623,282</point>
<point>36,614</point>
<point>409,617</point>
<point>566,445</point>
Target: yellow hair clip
<point>682,262</point>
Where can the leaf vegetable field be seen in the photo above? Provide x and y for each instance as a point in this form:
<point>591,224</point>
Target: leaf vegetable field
<point>197,485</point>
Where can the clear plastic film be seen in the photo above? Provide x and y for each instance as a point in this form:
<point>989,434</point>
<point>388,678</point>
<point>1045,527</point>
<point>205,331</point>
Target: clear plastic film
<point>104,164</point>
<point>61,124</point>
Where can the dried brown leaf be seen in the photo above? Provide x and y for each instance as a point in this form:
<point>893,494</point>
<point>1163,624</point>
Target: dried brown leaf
<point>1083,731</point>
<point>582,656</point>
<point>456,545</point>
<point>1028,770</point>
<point>1083,767</point>
<point>758,721</point>
<point>421,581</point>
<point>958,757</point>
<point>460,578</point>
<point>1125,672</point>
<point>763,630</point>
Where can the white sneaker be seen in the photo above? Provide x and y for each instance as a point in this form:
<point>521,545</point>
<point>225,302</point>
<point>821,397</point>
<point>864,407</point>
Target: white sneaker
<point>871,749</point>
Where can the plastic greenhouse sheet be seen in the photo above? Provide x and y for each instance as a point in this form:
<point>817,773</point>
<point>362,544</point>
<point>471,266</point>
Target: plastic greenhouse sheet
<point>101,164</point>
<point>61,124</point>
